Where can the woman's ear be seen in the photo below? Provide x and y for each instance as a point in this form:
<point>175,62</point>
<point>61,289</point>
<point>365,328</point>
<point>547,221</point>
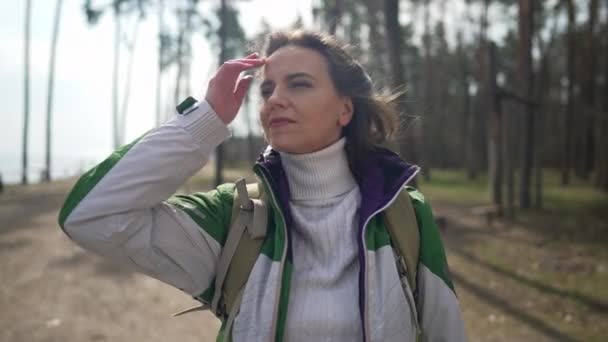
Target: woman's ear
<point>347,112</point>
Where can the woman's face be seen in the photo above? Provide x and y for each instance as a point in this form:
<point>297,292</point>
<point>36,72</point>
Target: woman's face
<point>301,110</point>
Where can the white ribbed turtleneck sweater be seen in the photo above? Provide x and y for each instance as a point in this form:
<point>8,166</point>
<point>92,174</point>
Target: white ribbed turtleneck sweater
<point>324,293</point>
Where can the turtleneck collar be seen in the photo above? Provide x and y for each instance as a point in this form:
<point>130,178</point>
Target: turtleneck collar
<point>318,175</point>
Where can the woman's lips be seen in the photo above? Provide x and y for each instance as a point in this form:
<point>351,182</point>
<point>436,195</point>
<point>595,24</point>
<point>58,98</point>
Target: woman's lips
<point>279,122</point>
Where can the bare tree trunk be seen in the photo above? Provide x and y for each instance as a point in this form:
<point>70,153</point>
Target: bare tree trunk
<point>394,36</point>
<point>26,90</point>
<point>377,48</point>
<point>429,111</point>
<point>49,98</point>
<point>219,151</point>
<point>180,62</point>
<point>466,103</point>
<point>476,126</point>
<point>334,15</point>
<point>250,136</point>
<point>159,76</point>
<point>115,76</point>
<point>494,137</point>
<point>568,141</point>
<point>526,27</point>
<point>544,84</point>
<point>589,92</point>
<point>602,126</point>
<point>127,95</point>
<point>507,152</point>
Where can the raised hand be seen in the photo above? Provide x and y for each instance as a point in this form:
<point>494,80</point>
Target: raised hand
<point>224,93</point>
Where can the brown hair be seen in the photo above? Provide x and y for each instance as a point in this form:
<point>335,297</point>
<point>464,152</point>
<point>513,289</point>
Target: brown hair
<point>375,119</point>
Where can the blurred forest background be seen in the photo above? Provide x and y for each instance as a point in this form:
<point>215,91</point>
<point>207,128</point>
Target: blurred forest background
<point>505,109</point>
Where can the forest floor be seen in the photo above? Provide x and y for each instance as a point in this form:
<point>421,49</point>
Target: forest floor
<point>540,278</point>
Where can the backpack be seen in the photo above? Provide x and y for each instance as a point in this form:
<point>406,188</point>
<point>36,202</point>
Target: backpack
<point>247,231</point>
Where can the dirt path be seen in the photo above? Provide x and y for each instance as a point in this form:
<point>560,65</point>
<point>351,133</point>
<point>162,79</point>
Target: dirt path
<point>518,284</point>
<point>54,291</point>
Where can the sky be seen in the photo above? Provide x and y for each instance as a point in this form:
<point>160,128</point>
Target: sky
<point>82,105</point>
<point>82,108</point>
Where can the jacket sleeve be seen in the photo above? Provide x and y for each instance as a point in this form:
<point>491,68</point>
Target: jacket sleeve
<point>122,209</point>
<point>438,307</point>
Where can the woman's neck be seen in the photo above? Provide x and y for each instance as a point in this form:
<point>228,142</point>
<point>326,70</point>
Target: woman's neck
<point>318,175</point>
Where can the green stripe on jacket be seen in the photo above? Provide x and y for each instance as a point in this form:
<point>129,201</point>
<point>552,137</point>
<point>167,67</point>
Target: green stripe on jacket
<point>89,180</point>
<point>210,210</point>
<point>432,253</point>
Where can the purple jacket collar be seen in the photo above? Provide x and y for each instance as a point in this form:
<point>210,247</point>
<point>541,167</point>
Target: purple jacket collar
<point>380,177</point>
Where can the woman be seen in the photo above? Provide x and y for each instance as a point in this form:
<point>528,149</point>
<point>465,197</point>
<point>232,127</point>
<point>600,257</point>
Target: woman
<point>326,270</point>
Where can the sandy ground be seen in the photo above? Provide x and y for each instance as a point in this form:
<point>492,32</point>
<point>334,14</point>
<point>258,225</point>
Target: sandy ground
<point>54,291</point>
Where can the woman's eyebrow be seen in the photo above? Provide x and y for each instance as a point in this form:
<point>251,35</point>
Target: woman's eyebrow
<point>299,74</point>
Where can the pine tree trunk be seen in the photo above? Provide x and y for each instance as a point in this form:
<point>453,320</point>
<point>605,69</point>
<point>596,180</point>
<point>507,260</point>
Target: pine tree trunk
<point>429,112</point>
<point>26,90</point>
<point>394,37</point>
<point>127,90</point>
<point>115,76</point>
<point>602,127</point>
<point>334,15</point>
<point>526,27</point>
<point>159,75</point>
<point>495,135</point>
<point>377,48</point>
<point>219,151</point>
<point>569,120</point>
<point>589,92</point>
<point>466,98</point>
<point>49,99</point>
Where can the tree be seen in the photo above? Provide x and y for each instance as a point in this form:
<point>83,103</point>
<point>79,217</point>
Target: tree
<point>526,30</point>
<point>49,99</point>
<point>589,91</point>
<point>162,51</point>
<point>26,89</point>
<point>394,44</point>
<point>495,140</point>
<point>230,38</point>
<point>119,9</point>
<point>568,150</point>
<point>377,48</point>
<point>602,127</point>
<point>542,94</point>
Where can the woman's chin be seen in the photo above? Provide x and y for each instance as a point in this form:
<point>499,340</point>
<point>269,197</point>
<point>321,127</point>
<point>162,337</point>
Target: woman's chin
<point>285,145</point>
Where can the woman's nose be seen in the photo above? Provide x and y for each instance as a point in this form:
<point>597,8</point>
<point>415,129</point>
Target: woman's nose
<point>277,98</point>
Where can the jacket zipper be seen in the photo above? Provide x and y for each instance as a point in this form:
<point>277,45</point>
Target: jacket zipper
<point>366,338</point>
<point>283,256</point>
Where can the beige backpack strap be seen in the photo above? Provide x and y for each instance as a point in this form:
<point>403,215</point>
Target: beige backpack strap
<point>249,213</point>
<point>402,225</point>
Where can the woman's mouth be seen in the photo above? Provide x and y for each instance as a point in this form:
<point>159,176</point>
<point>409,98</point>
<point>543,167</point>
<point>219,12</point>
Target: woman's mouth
<point>279,122</point>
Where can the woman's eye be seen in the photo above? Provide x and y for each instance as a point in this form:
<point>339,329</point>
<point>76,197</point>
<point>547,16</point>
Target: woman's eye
<point>266,93</point>
<point>300,85</point>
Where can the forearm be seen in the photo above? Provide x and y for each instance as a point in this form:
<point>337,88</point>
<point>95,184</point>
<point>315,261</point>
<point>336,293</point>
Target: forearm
<point>146,172</point>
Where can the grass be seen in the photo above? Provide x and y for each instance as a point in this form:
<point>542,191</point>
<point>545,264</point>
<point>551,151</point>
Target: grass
<point>578,211</point>
<point>547,270</point>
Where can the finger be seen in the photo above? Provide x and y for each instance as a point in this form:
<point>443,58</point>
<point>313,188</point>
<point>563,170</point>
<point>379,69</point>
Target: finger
<point>234,68</point>
<point>241,88</point>
<point>253,55</point>
<point>242,64</point>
